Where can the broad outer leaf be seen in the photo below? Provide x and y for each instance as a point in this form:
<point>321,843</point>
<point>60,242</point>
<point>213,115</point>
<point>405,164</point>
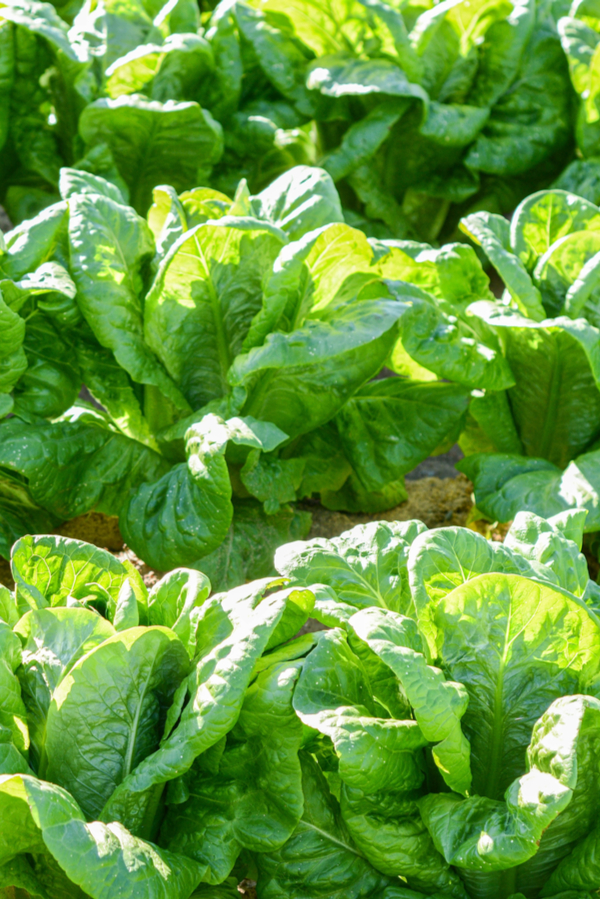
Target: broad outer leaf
<point>254,800</point>
<point>50,569</point>
<point>506,484</point>
<point>53,641</point>
<point>236,639</point>
<point>515,646</point>
<point>110,244</point>
<point>154,143</point>
<point>335,697</point>
<point>365,566</point>
<point>482,835</point>
<point>439,705</point>
<point>104,860</point>
<point>319,858</point>
<point>206,293</point>
<point>123,686</point>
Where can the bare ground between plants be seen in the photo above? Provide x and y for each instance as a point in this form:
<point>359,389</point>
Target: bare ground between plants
<point>435,501</point>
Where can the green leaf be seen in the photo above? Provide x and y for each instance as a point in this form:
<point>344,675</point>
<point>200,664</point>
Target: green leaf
<point>36,241</point>
<point>19,513</point>
<point>50,570</point>
<point>340,76</point>
<point>216,690</point>
<point>54,293</point>
<point>543,541</point>
<point>544,217</point>
<point>130,677</point>
<point>552,786</point>
<point>52,381</point>
<point>13,714</point>
<point>438,704</point>
<point>388,829</point>
<point>492,233</point>
<point>445,558</point>
<point>255,799</point>
<point>505,484</point>
<point>363,139</point>
<point>112,29</point>
<point>200,307</point>
<point>391,425</point>
<point>320,857</point>
<point>540,95</point>
<point>300,200</point>
<point>9,612</point>
<point>77,181</point>
<point>105,860</point>
<point>515,645</point>
<point>174,70</point>
<point>278,54</point>
<point>253,537</point>
<point>111,386</point>
<point>153,143</point>
<point>110,245</point>
<point>53,641</point>
<point>325,267</point>
<point>13,361</point>
<point>185,514</point>
<point>173,600</point>
<point>365,566</point>
<point>301,379</point>
<point>578,872</point>
<point>73,467</point>
<point>452,347</point>
<point>334,696</point>
<point>272,481</point>
<point>556,363</point>
<point>492,412</point>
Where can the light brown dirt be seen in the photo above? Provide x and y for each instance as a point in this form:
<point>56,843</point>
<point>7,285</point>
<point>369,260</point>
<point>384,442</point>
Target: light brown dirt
<point>435,501</point>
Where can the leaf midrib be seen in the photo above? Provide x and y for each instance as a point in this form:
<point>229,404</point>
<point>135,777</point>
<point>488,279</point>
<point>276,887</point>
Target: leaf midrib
<point>131,742</point>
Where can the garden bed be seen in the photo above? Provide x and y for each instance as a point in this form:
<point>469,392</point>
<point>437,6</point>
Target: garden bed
<point>437,502</point>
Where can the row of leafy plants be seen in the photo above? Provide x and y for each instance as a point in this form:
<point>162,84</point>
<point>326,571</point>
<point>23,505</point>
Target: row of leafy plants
<point>252,352</point>
<point>419,112</point>
<point>438,739</point>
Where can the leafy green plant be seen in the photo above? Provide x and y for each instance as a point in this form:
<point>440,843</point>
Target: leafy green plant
<point>111,692</point>
<point>422,109</point>
<point>140,93</point>
<point>541,434</point>
<point>580,36</point>
<point>231,345</point>
<point>439,738</point>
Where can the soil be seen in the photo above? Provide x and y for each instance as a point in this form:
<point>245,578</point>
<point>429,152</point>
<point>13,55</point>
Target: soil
<point>435,501</point>
<point>439,496</point>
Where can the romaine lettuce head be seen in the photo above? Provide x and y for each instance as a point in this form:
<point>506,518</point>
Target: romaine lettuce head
<point>421,107</point>
<point>548,324</point>
<point>486,652</point>
<point>438,738</point>
<point>141,93</point>
<point>230,346</point>
<point>110,694</point>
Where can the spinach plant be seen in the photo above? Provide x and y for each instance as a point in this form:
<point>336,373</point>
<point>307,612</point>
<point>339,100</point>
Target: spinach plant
<point>438,738</point>
<point>231,345</point>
